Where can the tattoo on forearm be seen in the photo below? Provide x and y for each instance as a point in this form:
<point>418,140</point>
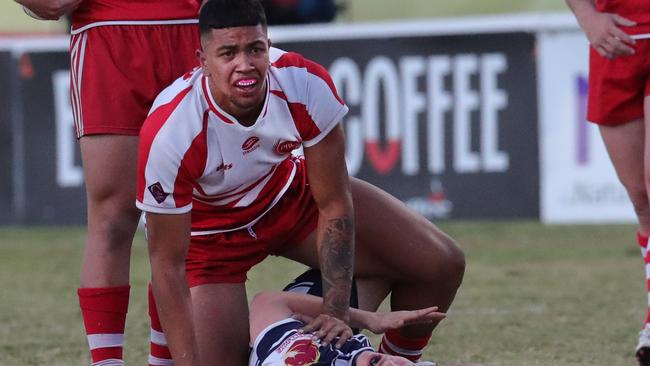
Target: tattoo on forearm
<point>337,258</point>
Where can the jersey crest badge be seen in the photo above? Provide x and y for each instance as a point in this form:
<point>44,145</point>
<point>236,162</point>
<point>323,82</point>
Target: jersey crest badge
<point>157,192</point>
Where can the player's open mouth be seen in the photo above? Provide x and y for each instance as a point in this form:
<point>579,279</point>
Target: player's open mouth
<point>246,84</point>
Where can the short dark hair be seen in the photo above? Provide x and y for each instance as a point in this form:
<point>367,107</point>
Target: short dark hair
<point>219,14</point>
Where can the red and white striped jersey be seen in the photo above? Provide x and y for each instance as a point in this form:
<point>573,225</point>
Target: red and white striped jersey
<point>636,10</point>
<point>91,13</point>
<point>195,156</point>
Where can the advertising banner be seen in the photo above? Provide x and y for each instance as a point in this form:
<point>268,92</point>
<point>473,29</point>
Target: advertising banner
<point>578,181</point>
<point>53,180</point>
<point>448,124</point>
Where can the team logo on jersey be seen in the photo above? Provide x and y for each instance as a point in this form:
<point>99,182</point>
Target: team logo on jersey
<point>285,147</point>
<point>303,352</point>
<point>250,144</point>
<point>157,192</point>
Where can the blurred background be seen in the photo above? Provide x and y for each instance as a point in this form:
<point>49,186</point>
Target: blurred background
<point>345,11</point>
<point>469,111</point>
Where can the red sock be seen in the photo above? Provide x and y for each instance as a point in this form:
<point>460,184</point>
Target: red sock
<point>643,245</point>
<point>159,354</point>
<point>393,343</point>
<point>104,313</point>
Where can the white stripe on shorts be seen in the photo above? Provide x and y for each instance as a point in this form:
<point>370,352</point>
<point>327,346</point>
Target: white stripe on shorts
<point>77,57</point>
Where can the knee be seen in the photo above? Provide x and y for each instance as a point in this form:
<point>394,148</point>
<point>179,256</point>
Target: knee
<point>113,223</point>
<point>455,261</point>
<point>446,260</point>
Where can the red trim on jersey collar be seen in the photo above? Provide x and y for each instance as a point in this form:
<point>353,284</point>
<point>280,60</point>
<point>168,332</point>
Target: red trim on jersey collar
<point>225,116</point>
<point>212,104</point>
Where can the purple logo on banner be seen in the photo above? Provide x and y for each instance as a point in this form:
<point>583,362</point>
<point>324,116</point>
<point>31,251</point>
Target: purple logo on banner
<point>582,145</point>
<point>435,205</point>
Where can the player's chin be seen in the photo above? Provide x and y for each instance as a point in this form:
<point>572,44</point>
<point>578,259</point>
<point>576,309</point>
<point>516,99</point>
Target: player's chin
<point>248,100</point>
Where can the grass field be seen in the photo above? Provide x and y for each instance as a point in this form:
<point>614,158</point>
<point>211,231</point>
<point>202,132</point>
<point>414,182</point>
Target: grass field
<point>533,295</point>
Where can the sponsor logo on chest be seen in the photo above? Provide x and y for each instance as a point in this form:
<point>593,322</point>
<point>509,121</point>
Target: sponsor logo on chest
<point>285,147</point>
<point>250,145</point>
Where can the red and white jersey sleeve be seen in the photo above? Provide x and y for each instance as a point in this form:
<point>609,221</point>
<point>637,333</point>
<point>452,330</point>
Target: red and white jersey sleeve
<point>309,92</point>
<point>92,13</point>
<point>195,156</point>
<point>172,149</point>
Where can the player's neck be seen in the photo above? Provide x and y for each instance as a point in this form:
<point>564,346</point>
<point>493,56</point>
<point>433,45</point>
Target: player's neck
<point>250,117</point>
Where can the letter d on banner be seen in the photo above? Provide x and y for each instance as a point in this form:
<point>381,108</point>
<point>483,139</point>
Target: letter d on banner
<point>67,174</point>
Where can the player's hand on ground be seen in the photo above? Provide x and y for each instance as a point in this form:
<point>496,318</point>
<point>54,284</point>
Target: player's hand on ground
<point>326,328</point>
<point>383,321</point>
<point>606,36</point>
<point>50,9</point>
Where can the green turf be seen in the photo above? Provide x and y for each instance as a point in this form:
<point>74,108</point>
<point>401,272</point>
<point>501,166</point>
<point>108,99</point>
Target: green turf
<point>533,295</point>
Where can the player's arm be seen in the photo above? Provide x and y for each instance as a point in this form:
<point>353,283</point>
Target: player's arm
<point>50,9</point>
<point>603,30</point>
<point>328,178</point>
<point>272,306</point>
<point>169,237</point>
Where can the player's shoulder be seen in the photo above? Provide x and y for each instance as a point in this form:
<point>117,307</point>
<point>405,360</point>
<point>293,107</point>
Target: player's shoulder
<point>293,73</point>
<point>281,59</point>
<point>176,92</point>
<point>273,336</point>
<point>177,106</point>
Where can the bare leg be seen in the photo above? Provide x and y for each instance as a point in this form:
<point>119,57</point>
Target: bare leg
<point>625,146</point>
<point>110,168</point>
<point>110,163</point>
<point>630,155</point>
<point>399,250</point>
<point>221,323</point>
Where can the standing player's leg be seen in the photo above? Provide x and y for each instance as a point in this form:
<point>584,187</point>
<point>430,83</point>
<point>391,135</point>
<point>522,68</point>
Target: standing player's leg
<point>110,173</point>
<point>643,346</point>
<point>399,251</point>
<point>625,145</point>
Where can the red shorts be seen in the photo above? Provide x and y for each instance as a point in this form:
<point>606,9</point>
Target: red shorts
<point>117,71</point>
<point>227,257</point>
<point>617,87</point>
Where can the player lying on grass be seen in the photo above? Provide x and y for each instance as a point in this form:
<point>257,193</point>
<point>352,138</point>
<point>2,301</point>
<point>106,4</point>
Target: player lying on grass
<point>277,326</point>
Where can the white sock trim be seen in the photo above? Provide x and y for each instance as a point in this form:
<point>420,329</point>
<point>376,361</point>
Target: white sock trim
<point>158,337</point>
<point>109,362</point>
<point>153,360</point>
<point>401,351</point>
<point>105,340</point>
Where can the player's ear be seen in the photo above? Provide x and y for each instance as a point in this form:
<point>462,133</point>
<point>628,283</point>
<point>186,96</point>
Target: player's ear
<point>269,44</point>
<point>200,55</point>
